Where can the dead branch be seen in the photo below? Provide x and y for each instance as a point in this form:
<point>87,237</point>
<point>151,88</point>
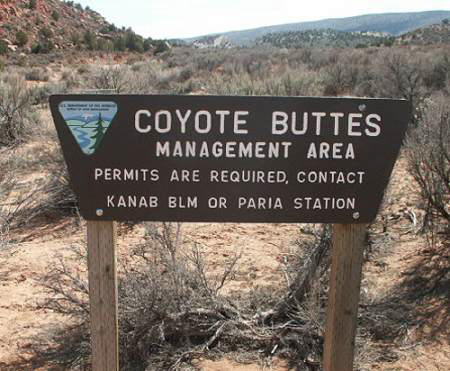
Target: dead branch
<point>302,282</point>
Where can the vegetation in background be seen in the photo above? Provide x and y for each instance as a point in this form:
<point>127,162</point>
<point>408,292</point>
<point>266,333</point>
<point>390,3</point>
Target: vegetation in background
<point>323,38</point>
<point>190,315</point>
<point>394,24</point>
<point>32,4</point>
<point>21,38</point>
<point>172,309</point>
<point>428,149</point>
<point>3,48</point>
<point>55,16</point>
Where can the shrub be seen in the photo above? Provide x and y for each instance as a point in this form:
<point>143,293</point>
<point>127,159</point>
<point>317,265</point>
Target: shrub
<point>46,196</point>
<point>70,79</point>
<point>16,111</point>
<point>388,42</point>
<point>57,198</point>
<point>185,74</point>
<point>167,304</point>
<point>7,185</point>
<point>32,4</point>
<point>134,42</point>
<point>336,79</point>
<point>172,311</point>
<point>3,48</point>
<point>83,69</point>
<point>111,78</point>
<point>436,77</point>
<point>21,38</point>
<point>45,33</point>
<point>43,47</point>
<point>110,28</point>
<point>90,40</point>
<point>55,15</point>
<point>105,45</point>
<point>403,78</point>
<point>75,39</point>
<point>4,234</point>
<point>160,46</point>
<point>119,44</point>
<point>148,43</point>
<point>37,74</point>
<point>428,153</point>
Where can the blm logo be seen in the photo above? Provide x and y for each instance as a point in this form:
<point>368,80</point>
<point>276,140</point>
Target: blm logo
<point>88,122</point>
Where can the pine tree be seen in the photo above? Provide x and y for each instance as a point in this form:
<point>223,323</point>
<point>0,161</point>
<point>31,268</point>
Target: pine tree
<point>99,133</point>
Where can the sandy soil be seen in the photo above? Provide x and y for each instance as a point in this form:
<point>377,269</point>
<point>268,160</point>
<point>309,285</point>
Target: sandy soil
<point>264,247</point>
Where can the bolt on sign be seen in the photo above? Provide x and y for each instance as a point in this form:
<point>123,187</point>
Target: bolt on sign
<point>228,158</point>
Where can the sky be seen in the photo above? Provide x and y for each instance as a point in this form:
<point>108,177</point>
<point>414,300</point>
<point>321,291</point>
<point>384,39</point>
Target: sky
<point>187,18</point>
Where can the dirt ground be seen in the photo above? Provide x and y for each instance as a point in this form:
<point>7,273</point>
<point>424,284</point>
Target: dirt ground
<point>398,250</point>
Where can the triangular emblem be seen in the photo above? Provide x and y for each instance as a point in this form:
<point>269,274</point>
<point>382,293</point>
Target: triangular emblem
<point>88,121</point>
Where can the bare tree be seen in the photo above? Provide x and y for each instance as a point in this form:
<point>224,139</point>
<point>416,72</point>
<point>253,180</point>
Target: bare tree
<point>403,79</point>
<point>428,151</point>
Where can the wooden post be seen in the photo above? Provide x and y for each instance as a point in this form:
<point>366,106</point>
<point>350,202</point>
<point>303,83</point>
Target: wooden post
<point>343,298</point>
<point>101,237</point>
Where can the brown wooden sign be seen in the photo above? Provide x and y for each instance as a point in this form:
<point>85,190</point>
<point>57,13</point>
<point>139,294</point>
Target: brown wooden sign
<point>229,159</point>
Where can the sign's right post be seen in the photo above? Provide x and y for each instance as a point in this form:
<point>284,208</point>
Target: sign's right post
<point>345,280</point>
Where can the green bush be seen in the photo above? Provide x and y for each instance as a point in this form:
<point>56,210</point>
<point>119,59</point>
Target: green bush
<point>43,47</point>
<point>90,40</point>
<point>55,15</point>
<point>388,42</point>
<point>21,38</point>
<point>32,4</point>
<point>134,42</point>
<point>160,46</point>
<point>3,48</point>
<point>148,43</point>
<point>75,38</point>
<point>119,44</point>
<point>45,33</point>
<point>110,28</point>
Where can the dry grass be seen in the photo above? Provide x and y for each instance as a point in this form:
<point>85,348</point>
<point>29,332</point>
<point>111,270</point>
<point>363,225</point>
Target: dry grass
<point>173,310</point>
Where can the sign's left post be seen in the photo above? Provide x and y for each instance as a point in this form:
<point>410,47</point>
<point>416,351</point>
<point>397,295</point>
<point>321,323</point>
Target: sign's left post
<point>101,238</point>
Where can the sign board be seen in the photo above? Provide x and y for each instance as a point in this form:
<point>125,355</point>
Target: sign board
<point>228,158</point>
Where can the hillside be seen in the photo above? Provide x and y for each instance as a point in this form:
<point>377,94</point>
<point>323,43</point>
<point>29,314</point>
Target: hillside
<point>434,34</point>
<point>323,38</point>
<point>40,26</point>
<point>392,23</point>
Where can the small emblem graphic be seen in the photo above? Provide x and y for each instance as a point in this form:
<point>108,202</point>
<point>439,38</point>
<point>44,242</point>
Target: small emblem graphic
<point>88,122</point>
